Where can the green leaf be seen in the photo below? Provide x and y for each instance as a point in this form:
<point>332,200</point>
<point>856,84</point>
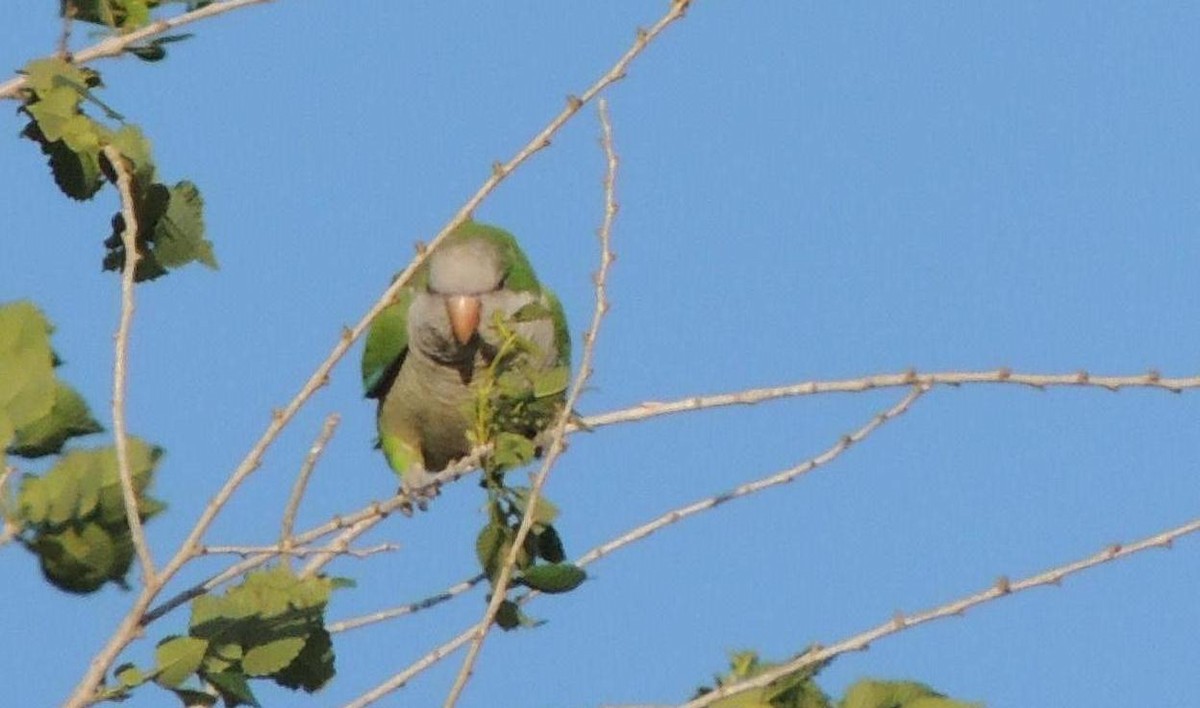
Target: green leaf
<point>129,675</point>
<point>68,417</point>
<point>153,50</point>
<point>314,667</point>
<point>179,236</point>
<point>269,658</point>
<point>233,687</point>
<point>148,52</point>
<point>27,382</point>
<point>508,615</point>
<point>898,694</point>
<point>549,544</point>
<point>135,147</point>
<point>77,175</point>
<point>554,577</point>
<point>77,514</point>
<point>544,512</point>
<point>42,75</point>
<point>491,547</point>
<point>512,450</point>
<point>119,14</point>
<point>530,312</point>
<point>170,232</point>
<point>190,698</point>
<point>176,658</point>
<point>552,382</point>
<point>81,559</point>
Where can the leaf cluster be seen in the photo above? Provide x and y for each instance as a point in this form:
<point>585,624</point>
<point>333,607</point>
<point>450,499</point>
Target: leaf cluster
<point>271,626</point>
<point>541,562</point>
<point>73,516</point>
<point>170,223</point>
<point>121,15</point>
<point>800,690</point>
<point>516,398</point>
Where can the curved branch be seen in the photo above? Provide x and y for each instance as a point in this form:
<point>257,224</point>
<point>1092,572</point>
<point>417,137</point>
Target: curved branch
<point>1004,375</point>
<point>1001,588</point>
<point>85,691</point>
<point>121,362</point>
<point>116,44</point>
<point>844,443</point>
<point>500,585</point>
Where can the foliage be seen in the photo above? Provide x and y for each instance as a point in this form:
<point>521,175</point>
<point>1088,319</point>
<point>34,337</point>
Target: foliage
<point>121,15</point>
<point>271,626</point>
<point>516,400</point>
<point>73,516</point>
<point>799,690</point>
<point>170,228</point>
<point>795,690</point>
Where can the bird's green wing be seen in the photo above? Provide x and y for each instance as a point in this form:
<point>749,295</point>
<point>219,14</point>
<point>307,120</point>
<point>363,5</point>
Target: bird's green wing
<point>562,333</point>
<point>387,344</point>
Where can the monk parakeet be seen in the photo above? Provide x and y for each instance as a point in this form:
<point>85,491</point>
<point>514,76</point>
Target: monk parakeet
<point>473,346</point>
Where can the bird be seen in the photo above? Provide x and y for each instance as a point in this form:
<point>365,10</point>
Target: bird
<point>473,327</point>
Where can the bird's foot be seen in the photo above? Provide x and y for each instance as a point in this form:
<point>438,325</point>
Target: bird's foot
<point>418,486</point>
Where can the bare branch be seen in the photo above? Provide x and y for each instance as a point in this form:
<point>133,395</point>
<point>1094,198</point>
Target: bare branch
<point>342,542</point>
<point>306,470</point>
<point>1081,379</point>
<point>500,585</point>
<point>408,609</point>
<point>401,679</point>
<point>675,515</point>
<point>781,477</point>
<point>900,622</point>
<point>85,690</point>
<point>653,409</point>
<point>843,444</point>
<point>298,551</point>
<point>116,44</point>
<point>121,361</point>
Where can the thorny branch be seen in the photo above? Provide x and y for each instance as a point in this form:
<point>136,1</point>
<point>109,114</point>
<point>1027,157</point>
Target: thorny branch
<point>500,585</point>
<point>1001,588</point>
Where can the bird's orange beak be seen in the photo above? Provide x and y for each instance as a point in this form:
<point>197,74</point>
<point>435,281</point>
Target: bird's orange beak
<point>463,311</point>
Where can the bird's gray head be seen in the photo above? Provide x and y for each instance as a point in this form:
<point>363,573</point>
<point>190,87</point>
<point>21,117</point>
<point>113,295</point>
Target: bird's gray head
<point>461,275</point>
<point>465,268</point>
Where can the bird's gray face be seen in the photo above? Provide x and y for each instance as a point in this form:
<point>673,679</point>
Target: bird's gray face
<point>460,274</point>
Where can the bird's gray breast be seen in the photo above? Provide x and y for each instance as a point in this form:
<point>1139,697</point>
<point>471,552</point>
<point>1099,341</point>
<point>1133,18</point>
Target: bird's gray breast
<point>432,393</point>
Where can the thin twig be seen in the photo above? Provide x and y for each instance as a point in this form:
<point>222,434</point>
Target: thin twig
<point>374,510</point>
<point>306,470</point>
<point>121,362</point>
<point>653,409</point>
<point>401,679</point>
<point>116,44</point>
<point>408,609</point>
<point>85,690</point>
<point>500,584</point>
<point>781,477</point>
<point>64,38</point>
<point>900,622</point>
<point>844,443</point>
<point>670,517</point>
<point>1079,379</point>
<point>298,551</point>
<point>342,542</point>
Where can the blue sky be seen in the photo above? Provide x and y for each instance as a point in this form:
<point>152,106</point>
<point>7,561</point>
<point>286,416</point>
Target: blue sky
<point>809,191</point>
